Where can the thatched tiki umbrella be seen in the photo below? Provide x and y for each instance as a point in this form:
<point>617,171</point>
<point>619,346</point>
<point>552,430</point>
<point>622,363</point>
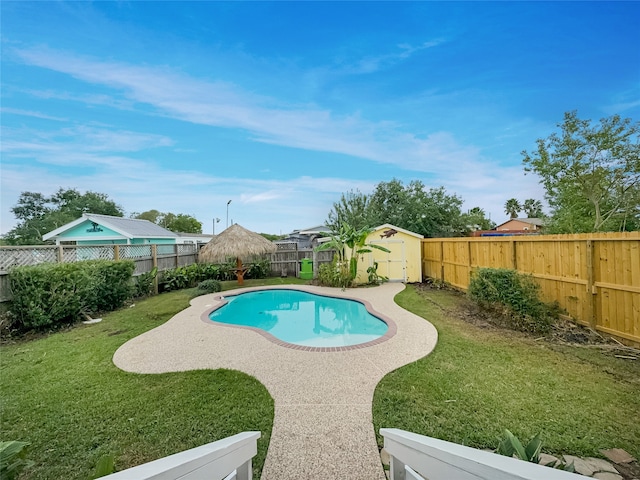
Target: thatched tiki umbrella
<point>235,242</point>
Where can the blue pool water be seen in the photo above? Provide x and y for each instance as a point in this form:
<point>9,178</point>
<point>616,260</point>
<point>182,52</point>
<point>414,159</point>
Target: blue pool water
<point>302,318</point>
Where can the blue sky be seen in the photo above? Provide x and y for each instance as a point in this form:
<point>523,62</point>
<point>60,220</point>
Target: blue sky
<point>281,107</point>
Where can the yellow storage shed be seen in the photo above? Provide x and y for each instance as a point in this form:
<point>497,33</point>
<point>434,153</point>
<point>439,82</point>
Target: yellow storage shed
<point>402,264</point>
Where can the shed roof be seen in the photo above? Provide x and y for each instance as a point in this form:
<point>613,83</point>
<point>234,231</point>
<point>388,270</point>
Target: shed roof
<point>389,226</point>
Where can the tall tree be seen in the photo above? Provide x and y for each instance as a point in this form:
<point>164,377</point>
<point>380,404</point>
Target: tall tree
<point>532,208</point>
<point>38,214</point>
<point>184,224</point>
<point>512,207</point>
<point>591,173</point>
<point>432,212</point>
<point>176,223</point>
<point>352,209</point>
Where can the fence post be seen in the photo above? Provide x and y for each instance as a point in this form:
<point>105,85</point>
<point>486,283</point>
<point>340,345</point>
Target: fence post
<point>60,254</point>
<point>442,261</point>
<point>469,259</point>
<point>514,257</point>
<point>154,259</point>
<point>175,252</point>
<point>116,252</point>
<point>591,291</point>
<point>314,259</point>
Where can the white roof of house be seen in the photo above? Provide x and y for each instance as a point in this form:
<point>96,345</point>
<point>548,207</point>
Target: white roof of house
<point>313,230</point>
<point>127,227</point>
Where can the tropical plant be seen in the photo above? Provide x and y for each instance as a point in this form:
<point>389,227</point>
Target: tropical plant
<point>512,207</point>
<point>511,446</point>
<point>143,286</point>
<point>332,275</point>
<point>532,208</point>
<point>106,466</point>
<point>13,459</point>
<point>349,243</point>
<point>374,278</point>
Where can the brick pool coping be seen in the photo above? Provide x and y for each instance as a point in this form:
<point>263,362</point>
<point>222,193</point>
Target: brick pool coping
<point>391,325</point>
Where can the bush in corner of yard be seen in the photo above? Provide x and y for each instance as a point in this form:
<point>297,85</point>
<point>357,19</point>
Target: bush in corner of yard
<point>516,293</point>
<point>208,286</point>
<point>48,294</point>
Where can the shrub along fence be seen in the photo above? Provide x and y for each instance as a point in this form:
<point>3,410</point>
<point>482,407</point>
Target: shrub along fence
<point>146,257</point>
<point>594,277</point>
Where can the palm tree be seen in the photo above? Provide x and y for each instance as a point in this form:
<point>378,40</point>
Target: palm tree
<point>512,207</point>
<point>354,239</point>
<point>532,208</point>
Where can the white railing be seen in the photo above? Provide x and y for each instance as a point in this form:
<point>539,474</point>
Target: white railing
<point>414,456</point>
<point>228,459</point>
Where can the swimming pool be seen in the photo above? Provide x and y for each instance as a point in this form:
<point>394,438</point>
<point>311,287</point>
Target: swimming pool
<point>302,318</point>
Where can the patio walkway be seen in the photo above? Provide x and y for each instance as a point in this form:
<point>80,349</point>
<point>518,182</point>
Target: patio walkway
<point>323,423</point>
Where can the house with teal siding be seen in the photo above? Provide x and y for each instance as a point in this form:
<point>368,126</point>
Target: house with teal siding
<point>93,229</point>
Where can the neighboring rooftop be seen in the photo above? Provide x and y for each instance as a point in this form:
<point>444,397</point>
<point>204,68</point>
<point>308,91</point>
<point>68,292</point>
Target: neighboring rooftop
<point>127,227</point>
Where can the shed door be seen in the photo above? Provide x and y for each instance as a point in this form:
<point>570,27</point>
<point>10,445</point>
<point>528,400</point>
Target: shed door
<point>392,265</point>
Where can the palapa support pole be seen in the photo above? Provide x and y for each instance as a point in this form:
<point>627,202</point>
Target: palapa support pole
<point>239,271</point>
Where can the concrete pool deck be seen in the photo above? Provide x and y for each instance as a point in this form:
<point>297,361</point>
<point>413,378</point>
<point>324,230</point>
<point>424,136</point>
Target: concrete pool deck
<point>323,422</point>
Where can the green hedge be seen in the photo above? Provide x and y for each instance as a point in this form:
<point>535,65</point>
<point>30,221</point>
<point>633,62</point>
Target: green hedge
<point>48,294</point>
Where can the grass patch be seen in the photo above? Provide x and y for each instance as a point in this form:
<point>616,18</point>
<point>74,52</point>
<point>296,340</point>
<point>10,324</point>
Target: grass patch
<point>63,394</point>
<point>272,281</point>
<point>479,381</point>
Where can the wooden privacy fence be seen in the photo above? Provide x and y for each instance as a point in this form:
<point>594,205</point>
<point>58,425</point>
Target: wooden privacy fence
<point>286,260</point>
<point>594,277</point>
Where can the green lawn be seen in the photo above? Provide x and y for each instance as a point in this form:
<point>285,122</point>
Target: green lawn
<point>63,394</point>
<point>480,381</point>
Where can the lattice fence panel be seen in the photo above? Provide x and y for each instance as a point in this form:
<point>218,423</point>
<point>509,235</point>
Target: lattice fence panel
<point>166,249</point>
<point>287,246</point>
<point>135,251</point>
<point>187,249</point>
<point>15,257</point>
<point>89,252</point>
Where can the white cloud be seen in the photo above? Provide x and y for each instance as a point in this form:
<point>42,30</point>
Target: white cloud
<point>30,113</point>
<point>221,104</point>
